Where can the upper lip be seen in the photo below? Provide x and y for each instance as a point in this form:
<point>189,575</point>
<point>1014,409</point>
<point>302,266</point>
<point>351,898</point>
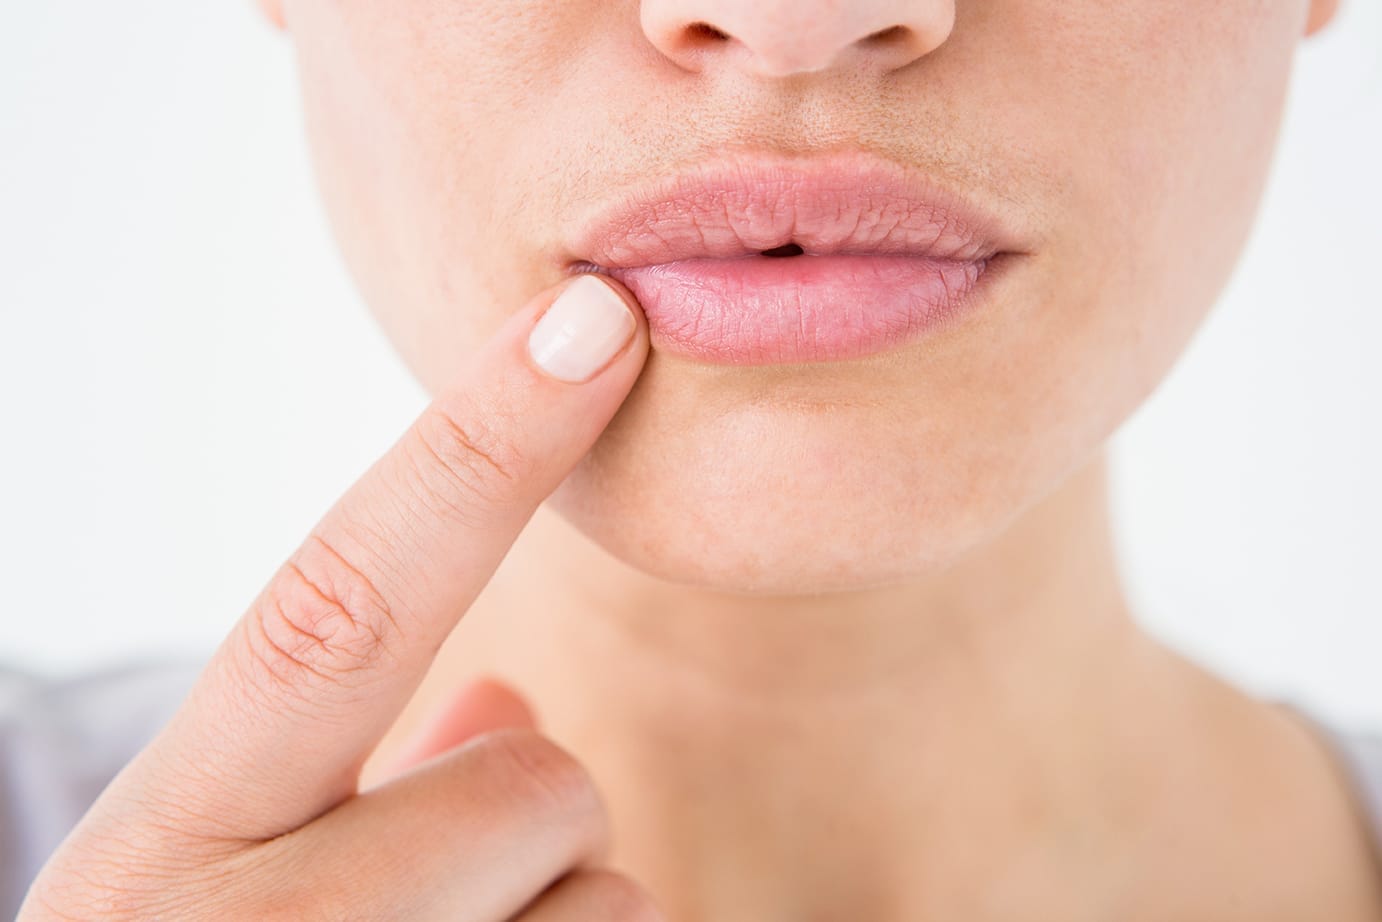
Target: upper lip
<point>736,206</point>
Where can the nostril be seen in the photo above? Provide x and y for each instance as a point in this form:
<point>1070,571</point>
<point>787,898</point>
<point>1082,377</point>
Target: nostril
<point>887,36</point>
<point>704,33</point>
<point>787,249</point>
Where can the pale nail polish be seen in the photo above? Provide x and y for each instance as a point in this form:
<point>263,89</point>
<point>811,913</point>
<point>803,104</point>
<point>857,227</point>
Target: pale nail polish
<point>581,331</point>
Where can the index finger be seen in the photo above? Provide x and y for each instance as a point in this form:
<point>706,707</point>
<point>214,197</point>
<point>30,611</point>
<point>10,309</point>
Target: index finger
<point>278,725</point>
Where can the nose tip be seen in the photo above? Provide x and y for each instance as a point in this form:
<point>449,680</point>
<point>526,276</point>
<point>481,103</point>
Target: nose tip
<point>771,38</point>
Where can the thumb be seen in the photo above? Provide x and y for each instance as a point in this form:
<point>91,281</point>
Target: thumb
<point>481,705</point>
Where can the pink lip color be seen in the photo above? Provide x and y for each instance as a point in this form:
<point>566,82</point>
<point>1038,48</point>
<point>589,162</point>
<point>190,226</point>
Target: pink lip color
<point>887,255</point>
<point>759,310</point>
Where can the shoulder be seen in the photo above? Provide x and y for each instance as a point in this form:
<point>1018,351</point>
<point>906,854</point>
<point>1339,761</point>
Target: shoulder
<point>1358,753</point>
<point>1361,755</point>
<point>61,742</point>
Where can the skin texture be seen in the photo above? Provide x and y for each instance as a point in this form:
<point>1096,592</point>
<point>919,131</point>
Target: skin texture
<point>923,530</point>
<point>246,805</point>
<point>832,641</point>
<point>458,149</point>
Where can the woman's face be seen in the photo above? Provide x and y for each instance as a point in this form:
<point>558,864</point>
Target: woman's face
<point>462,146</point>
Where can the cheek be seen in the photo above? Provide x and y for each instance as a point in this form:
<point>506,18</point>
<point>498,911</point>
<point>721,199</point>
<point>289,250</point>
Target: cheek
<point>417,112</point>
<point>1168,119</point>
<point>449,134</point>
<point>1153,125</point>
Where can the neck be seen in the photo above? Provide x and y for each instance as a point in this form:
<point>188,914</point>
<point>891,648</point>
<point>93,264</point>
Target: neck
<point>747,745</point>
<point>1048,583</point>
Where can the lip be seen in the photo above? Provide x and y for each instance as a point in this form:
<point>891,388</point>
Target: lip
<point>888,254</point>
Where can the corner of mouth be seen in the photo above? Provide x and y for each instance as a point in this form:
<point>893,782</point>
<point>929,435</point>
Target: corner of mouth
<point>582,267</point>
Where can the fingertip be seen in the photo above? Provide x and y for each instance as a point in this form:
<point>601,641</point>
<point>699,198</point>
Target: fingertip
<point>623,291</point>
<point>492,696</point>
<point>479,706</point>
<point>592,321</point>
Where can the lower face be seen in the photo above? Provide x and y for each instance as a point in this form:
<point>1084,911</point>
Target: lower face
<point>460,145</point>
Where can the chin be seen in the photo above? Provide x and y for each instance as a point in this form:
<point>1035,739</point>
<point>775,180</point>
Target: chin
<point>781,497</point>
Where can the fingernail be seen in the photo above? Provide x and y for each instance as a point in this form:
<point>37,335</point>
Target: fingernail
<point>584,328</point>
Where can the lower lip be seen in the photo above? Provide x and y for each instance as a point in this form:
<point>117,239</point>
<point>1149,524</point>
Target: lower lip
<point>764,310</point>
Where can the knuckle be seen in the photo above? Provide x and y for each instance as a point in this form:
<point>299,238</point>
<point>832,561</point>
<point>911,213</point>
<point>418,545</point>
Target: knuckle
<point>539,774</point>
<point>614,896</point>
<point>320,621</point>
<point>465,458</point>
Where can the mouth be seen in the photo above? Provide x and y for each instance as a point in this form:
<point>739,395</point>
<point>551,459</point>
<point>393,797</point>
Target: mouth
<point>757,260</point>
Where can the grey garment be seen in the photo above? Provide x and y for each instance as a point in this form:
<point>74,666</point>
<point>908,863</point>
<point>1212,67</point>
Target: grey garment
<point>62,741</point>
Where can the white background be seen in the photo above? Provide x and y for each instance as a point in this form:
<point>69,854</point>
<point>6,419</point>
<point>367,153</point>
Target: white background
<point>187,380</point>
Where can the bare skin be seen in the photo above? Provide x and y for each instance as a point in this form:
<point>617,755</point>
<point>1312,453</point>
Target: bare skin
<point>902,683</point>
<point>1003,743</point>
<point>247,805</point>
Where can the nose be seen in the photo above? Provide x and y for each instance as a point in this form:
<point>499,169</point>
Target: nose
<point>778,38</point>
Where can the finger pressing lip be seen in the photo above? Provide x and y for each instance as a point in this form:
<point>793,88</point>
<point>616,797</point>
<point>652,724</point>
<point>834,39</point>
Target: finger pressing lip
<point>276,730</point>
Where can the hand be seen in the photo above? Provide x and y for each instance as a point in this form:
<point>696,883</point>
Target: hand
<point>247,804</point>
